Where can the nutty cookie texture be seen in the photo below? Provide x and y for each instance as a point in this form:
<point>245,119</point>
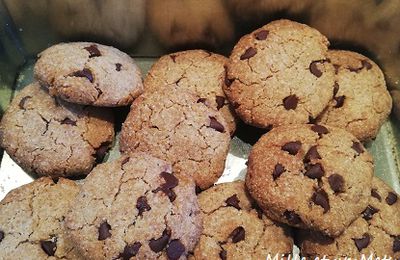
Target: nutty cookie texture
<point>235,229</point>
<point>197,70</point>
<point>176,126</point>
<point>135,207</point>
<point>51,137</point>
<point>376,232</point>
<point>361,102</point>
<point>279,74</point>
<point>310,176</point>
<point>89,73</point>
<point>32,219</point>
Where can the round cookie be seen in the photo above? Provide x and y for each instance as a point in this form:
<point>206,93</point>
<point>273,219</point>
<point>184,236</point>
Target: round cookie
<point>234,229</point>
<point>376,231</point>
<point>32,219</point>
<point>199,71</point>
<point>310,176</point>
<point>361,102</point>
<point>135,207</point>
<point>89,73</point>
<point>179,24</point>
<point>279,74</point>
<point>52,137</point>
<point>176,126</point>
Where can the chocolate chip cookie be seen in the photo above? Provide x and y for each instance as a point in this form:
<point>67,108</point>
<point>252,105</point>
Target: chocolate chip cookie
<point>197,70</point>
<point>138,207</point>
<point>376,232</point>
<point>32,219</point>
<point>234,229</point>
<point>89,73</point>
<point>176,126</point>
<point>54,138</point>
<point>361,102</point>
<point>279,74</point>
<point>310,176</point>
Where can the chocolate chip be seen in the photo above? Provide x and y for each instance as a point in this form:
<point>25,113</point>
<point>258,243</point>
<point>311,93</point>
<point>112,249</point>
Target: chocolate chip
<point>396,244</point>
<point>261,35</point>
<point>336,182</point>
<point>375,194</point>
<point>170,182</point>
<point>314,171</point>
<point>335,89</point>
<point>142,205</point>
<point>173,57</point>
<point>278,170</point>
<point>125,161</point>
<point>366,64</point>
<point>104,231</point>
<point>118,66</point>
<point>228,82</point>
<point>250,52</point>
<point>357,146</point>
<point>157,245</point>
<point>312,154</point>
<point>220,102</point>
<point>201,100</point>
<point>85,73</point>
<point>339,101</point>
<point>314,69</point>
<point>101,151</point>
<point>238,234</point>
<point>130,251</point>
<point>197,190</point>
<point>292,147</point>
<point>391,198</point>
<point>362,242</point>
<point>352,69</point>
<point>292,217</point>
<point>320,129</point>
<point>1,235</point>
<point>93,51</point>
<point>290,102</point>
<point>311,120</point>
<point>175,249</point>
<point>369,212</point>
<point>217,126</point>
<point>49,246</point>
<point>320,198</point>
<point>233,201</point>
<point>23,101</point>
<point>68,121</point>
<point>222,254</point>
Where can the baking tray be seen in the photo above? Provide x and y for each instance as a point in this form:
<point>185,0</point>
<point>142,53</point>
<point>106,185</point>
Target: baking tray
<point>385,148</point>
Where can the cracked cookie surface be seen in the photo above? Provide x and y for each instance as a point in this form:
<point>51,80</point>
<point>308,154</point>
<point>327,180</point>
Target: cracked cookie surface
<point>54,138</point>
<point>310,176</point>
<point>135,207</point>
<point>89,73</point>
<point>176,126</point>
<point>279,74</point>
<point>235,229</point>
<point>361,101</point>
<point>376,231</point>
<point>32,219</point>
<point>199,71</point>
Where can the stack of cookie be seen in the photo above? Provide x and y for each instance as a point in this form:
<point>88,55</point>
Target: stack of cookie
<point>310,171</point>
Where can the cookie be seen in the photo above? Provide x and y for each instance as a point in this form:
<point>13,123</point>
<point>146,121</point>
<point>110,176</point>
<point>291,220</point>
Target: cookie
<point>188,23</point>
<point>176,126</point>
<point>89,73</point>
<point>310,176</point>
<point>279,74</point>
<point>361,102</point>
<point>138,207</point>
<point>32,219</point>
<point>197,70</point>
<point>376,232</point>
<point>54,138</point>
<point>234,229</point>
